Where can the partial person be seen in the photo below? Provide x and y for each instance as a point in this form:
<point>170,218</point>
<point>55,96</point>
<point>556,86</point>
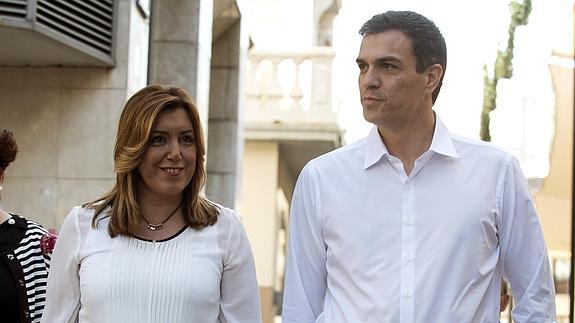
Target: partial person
<point>25,251</point>
<point>412,224</point>
<point>154,249</point>
<point>504,297</point>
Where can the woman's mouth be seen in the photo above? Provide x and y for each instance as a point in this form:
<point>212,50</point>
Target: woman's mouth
<point>173,171</point>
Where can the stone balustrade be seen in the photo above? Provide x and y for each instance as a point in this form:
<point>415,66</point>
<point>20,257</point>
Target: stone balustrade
<point>290,87</point>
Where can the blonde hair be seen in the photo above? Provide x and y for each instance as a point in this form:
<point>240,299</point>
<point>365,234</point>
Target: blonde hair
<point>132,140</point>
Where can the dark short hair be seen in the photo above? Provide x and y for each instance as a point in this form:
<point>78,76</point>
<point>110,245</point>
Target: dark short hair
<point>8,149</point>
<point>427,41</point>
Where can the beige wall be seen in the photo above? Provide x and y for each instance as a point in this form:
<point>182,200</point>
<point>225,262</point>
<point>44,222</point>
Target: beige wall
<point>258,208</point>
<point>554,199</point>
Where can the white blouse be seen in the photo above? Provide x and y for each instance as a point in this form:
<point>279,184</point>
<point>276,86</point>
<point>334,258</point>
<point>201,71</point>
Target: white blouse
<point>197,276</point>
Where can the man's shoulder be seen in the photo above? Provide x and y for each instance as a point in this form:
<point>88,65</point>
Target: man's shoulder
<point>345,153</point>
<point>469,147</point>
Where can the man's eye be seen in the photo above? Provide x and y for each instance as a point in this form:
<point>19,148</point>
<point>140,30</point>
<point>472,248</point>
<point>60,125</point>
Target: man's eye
<point>362,67</point>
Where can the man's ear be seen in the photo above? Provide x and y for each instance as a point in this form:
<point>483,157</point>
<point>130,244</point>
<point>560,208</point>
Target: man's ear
<point>434,74</point>
<point>1,177</point>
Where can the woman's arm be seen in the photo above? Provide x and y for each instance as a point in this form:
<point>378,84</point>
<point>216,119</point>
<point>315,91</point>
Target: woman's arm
<point>63,289</point>
<point>240,301</point>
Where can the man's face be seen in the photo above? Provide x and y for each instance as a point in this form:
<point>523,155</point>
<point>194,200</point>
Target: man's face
<point>392,92</point>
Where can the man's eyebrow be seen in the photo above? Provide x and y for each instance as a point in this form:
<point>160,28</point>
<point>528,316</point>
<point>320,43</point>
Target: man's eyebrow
<point>380,60</point>
<point>387,59</point>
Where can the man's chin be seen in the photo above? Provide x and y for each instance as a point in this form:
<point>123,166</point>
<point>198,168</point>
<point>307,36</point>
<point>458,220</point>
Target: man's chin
<point>372,116</point>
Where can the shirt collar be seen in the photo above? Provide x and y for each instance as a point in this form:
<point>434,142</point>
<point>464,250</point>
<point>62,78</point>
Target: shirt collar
<point>441,143</point>
<point>374,148</point>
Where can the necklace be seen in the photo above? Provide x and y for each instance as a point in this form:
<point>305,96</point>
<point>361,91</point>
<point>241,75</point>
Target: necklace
<point>159,226</point>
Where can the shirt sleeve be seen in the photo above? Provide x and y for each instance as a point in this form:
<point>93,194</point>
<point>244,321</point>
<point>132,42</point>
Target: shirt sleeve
<point>305,283</point>
<point>523,255</point>
<point>240,301</point>
<point>63,288</point>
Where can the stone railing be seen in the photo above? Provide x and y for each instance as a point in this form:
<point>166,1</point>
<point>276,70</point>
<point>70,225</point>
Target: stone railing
<point>290,87</point>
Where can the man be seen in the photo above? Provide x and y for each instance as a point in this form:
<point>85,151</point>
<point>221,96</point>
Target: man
<point>412,224</point>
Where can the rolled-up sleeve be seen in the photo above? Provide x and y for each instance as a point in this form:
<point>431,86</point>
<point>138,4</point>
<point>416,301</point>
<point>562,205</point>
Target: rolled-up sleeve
<point>305,283</point>
<point>523,254</point>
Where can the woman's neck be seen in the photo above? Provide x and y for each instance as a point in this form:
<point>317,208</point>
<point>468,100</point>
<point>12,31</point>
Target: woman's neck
<point>156,210</point>
<point>4,216</point>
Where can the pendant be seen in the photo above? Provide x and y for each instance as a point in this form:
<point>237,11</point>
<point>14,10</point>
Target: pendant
<point>153,227</point>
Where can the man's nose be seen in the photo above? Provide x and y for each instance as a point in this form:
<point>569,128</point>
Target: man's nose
<point>371,79</point>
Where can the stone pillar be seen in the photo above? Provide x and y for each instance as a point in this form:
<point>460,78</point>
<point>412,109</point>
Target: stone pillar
<point>181,47</point>
<point>225,143</point>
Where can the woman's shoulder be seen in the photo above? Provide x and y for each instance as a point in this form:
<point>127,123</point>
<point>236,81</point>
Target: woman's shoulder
<point>35,235</point>
<point>81,216</point>
<point>32,227</point>
<point>228,218</point>
<point>226,214</point>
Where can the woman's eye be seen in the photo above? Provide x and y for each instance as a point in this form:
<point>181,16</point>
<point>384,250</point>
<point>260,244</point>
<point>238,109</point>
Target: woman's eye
<point>156,140</point>
<point>187,139</point>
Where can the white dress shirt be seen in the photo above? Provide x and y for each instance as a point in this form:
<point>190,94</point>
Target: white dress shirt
<point>370,244</point>
<point>197,276</point>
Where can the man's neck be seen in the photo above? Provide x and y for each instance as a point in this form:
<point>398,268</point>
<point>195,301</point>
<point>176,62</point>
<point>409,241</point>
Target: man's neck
<point>410,140</point>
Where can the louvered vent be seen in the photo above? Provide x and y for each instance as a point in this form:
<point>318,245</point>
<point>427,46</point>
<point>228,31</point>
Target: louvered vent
<point>14,9</point>
<point>88,21</point>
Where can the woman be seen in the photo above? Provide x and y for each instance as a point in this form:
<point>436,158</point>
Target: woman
<point>25,249</point>
<point>153,249</point>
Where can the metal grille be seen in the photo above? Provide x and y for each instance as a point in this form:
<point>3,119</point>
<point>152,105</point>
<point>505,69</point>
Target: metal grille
<point>88,21</point>
<point>15,9</point>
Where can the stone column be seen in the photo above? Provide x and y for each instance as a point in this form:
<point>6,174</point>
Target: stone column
<point>225,143</point>
<point>181,47</point>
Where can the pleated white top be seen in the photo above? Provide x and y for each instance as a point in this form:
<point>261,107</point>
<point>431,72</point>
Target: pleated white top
<point>195,276</point>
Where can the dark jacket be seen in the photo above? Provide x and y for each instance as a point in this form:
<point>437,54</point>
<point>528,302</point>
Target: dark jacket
<point>25,250</point>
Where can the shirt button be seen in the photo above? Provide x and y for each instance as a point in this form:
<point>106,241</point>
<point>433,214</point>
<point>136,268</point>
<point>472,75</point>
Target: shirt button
<point>20,282</point>
<point>408,187</point>
<point>407,294</point>
<point>11,221</point>
<point>408,257</point>
<point>10,256</point>
<point>408,220</point>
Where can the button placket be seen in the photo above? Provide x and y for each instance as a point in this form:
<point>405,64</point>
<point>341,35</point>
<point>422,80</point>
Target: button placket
<point>407,304</point>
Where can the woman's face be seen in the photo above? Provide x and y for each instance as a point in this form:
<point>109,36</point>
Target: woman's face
<point>169,164</point>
